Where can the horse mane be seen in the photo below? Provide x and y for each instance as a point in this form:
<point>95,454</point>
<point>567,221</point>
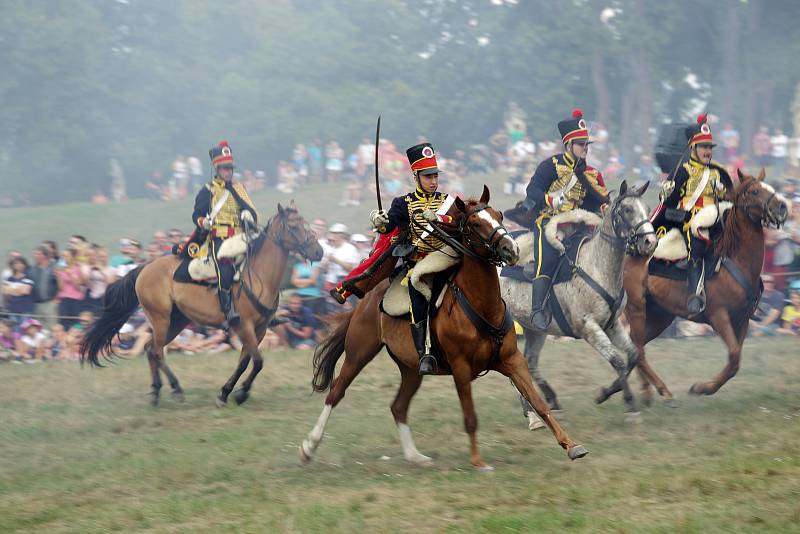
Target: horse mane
<point>728,244</point>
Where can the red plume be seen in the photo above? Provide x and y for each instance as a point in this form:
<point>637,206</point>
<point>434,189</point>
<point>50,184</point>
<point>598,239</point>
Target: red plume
<point>577,113</point>
<point>702,118</point>
<point>223,143</point>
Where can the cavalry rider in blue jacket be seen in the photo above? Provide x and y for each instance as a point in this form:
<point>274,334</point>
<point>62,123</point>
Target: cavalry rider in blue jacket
<point>221,209</point>
<point>561,183</point>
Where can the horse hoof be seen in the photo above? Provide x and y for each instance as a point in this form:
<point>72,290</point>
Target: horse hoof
<point>671,403</point>
<point>304,458</point>
<point>697,389</point>
<point>220,402</point>
<point>484,468</point>
<point>633,418</point>
<point>601,396</point>
<point>578,451</point>
<point>240,396</point>
<point>178,396</point>
<point>420,459</point>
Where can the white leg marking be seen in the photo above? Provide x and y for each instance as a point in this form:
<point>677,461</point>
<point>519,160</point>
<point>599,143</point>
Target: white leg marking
<point>534,422</point>
<point>410,451</point>
<point>314,438</point>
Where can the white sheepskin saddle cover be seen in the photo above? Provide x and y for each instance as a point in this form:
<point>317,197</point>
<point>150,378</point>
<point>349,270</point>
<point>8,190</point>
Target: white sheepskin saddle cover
<point>671,246</point>
<point>396,301</point>
<point>558,228</point>
<point>202,269</point>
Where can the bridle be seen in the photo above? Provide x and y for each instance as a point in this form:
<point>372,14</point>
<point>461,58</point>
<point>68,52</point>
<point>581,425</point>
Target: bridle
<point>297,243</point>
<point>764,217</point>
<point>473,242</point>
<point>624,232</point>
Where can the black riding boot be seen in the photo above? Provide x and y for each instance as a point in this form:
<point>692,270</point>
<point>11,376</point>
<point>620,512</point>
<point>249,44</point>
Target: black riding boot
<point>427,363</point>
<point>226,303</point>
<point>696,302</point>
<point>540,313</point>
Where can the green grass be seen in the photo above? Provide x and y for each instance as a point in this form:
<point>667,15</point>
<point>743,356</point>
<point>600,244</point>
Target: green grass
<point>83,452</point>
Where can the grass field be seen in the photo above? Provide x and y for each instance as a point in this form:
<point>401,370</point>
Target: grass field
<point>83,452</point>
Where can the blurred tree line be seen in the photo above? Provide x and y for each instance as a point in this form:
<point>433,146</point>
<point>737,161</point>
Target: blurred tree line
<point>144,80</point>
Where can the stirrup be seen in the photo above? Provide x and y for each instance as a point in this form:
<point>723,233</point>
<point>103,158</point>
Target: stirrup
<point>428,365</point>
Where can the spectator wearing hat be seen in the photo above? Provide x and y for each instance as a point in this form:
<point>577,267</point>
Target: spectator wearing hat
<point>770,308</point>
<point>45,284</point>
<point>18,290</point>
<point>71,289</point>
<point>130,257</point>
<point>362,243</point>
<point>32,344</point>
<point>340,257</point>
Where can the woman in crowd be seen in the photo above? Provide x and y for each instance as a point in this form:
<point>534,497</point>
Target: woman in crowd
<point>71,289</point>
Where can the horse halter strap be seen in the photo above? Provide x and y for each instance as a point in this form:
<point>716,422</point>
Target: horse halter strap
<point>632,233</point>
<point>748,206</point>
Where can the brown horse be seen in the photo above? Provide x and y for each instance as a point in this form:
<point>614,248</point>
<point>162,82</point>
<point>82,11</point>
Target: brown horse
<point>464,350</point>
<point>169,305</point>
<point>654,301</point>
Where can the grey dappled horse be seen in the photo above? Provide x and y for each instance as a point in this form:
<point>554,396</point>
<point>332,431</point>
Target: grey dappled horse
<point>625,226</point>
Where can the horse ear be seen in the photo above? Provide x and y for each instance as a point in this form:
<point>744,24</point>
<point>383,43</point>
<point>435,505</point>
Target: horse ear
<point>762,175</point>
<point>740,174</point>
<point>623,188</point>
<point>485,195</point>
<point>460,204</point>
<point>280,209</point>
<point>292,204</point>
<point>643,188</point>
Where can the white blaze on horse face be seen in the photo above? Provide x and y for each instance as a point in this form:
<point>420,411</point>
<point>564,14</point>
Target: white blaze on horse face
<point>768,187</point>
<point>484,216</point>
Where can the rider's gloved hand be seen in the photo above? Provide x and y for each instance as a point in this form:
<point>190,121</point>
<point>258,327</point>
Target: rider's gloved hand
<point>667,187</point>
<point>429,215</point>
<point>379,219</point>
<point>247,217</point>
<point>206,224</point>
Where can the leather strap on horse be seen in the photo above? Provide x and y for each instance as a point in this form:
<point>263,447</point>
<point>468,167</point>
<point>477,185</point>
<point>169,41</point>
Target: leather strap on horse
<point>742,280</point>
<point>484,327</point>
<point>558,312</point>
<point>263,310</point>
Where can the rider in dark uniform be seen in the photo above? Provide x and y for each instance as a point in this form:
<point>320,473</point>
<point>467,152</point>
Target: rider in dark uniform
<point>698,183</point>
<point>221,210</point>
<point>560,183</point>
<point>414,211</point>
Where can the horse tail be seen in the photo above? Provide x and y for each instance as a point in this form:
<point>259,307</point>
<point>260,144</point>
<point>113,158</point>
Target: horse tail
<point>329,351</point>
<point>119,303</point>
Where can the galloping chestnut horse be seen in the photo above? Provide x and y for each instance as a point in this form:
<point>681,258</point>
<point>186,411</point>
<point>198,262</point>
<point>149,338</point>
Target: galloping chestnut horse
<point>170,305</point>
<point>654,301</point>
<point>464,350</point>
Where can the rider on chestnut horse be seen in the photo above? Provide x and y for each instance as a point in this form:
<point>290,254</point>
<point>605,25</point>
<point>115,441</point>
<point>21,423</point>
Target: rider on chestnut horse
<point>561,183</point>
<point>221,209</point>
<point>412,211</point>
<point>697,184</point>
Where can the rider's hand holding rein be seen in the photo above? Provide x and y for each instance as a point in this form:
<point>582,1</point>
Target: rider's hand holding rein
<point>206,223</point>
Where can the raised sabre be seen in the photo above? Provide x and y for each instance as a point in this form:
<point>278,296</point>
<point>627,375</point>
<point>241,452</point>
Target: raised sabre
<point>377,180</point>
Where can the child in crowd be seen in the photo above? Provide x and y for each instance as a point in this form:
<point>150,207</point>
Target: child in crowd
<point>8,341</point>
<point>791,314</point>
<point>33,345</point>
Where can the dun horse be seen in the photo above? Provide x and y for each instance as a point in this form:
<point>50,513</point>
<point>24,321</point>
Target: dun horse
<point>592,299</point>
<point>169,306</point>
<point>732,294</point>
<point>464,350</point>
